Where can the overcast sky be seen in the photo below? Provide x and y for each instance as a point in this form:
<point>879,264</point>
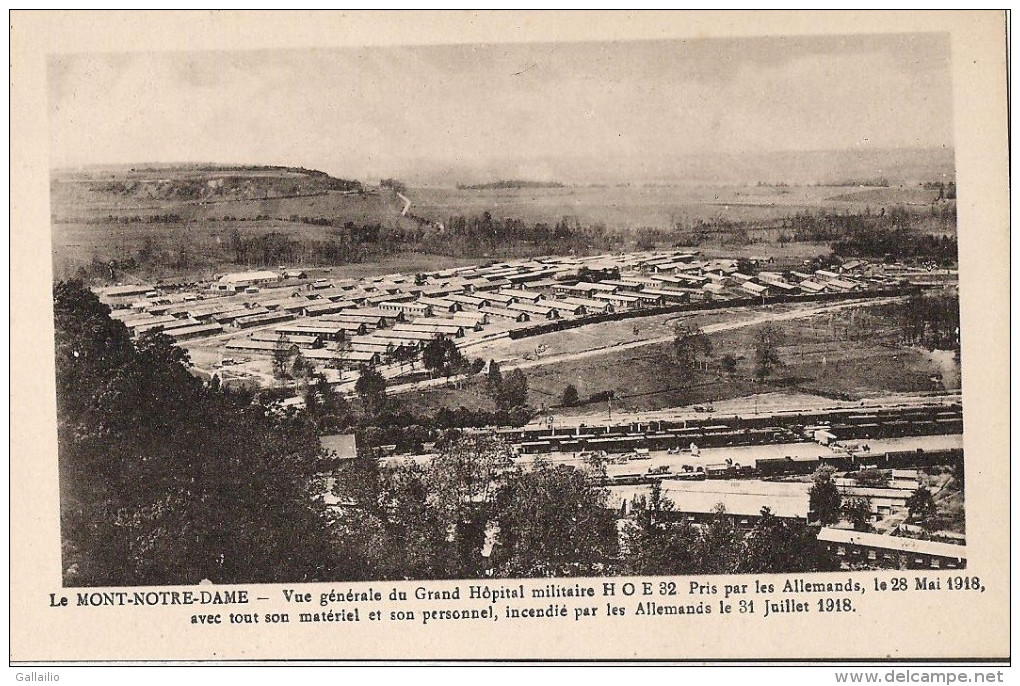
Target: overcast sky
<point>373,112</point>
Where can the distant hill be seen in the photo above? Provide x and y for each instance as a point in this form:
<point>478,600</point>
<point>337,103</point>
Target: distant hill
<point>509,184</point>
<point>196,182</point>
<point>895,166</point>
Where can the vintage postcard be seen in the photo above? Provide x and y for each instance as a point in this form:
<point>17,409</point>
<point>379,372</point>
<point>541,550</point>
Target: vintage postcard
<point>443,336</point>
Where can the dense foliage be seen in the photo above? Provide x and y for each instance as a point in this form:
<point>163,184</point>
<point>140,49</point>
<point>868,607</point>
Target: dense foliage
<point>220,183</point>
<point>897,243</point>
<point>658,542</point>
<point>471,512</point>
<point>932,321</point>
<point>165,479</point>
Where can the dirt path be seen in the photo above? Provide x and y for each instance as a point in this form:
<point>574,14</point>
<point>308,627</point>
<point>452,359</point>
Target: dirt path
<point>407,204</point>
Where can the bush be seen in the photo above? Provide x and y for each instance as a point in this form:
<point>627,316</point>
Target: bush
<point>729,363</point>
<point>569,397</point>
<point>873,478</point>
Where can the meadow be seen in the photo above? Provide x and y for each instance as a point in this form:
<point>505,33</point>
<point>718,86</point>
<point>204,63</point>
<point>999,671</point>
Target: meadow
<point>842,356</point>
<point>660,206</point>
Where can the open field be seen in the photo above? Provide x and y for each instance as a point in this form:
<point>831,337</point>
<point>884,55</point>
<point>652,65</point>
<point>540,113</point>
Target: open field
<point>815,363</point>
<point>643,379</point>
<point>208,252</point>
<point>662,206</point>
<point>81,231</point>
<point>535,349</point>
<point>820,356</point>
<point>340,206</point>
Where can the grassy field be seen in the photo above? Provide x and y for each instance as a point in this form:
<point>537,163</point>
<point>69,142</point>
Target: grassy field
<point>819,358</point>
<point>609,334</point>
<point>104,215</point>
<point>359,208</point>
<point>658,206</point>
<point>575,340</point>
<point>470,394</point>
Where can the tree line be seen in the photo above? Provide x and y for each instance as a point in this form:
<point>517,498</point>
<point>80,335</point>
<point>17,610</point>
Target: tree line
<point>897,243</point>
<point>899,234</point>
<point>932,321</point>
<point>232,186</point>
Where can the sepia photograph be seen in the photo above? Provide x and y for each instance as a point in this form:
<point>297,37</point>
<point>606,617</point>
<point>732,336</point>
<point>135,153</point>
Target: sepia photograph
<point>490,327</point>
<point>652,307</point>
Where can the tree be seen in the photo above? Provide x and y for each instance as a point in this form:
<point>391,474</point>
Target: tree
<point>655,542</point>
<point>596,462</point>
<point>746,266</point>
<point>465,478</point>
<point>386,518</point>
<point>417,544</point>
<point>442,355</point>
<point>824,500</point>
<point>569,397</point>
<point>328,409</point>
<point>776,546</point>
<point>513,391</point>
<point>371,388</point>
<point>471,512</point>
<point>766,351</point>
<point>301,368</point>
<point>872,478</point>
<point>717,549</point>
<point>689,343</point>
<point>339,361</point>
<point>494,379</point>
<point>728,363</point>
<point>921,504</point>
<point>857,511</point>
<point>553,521</point>
<point>282,353</point>
<point>434,355</point>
